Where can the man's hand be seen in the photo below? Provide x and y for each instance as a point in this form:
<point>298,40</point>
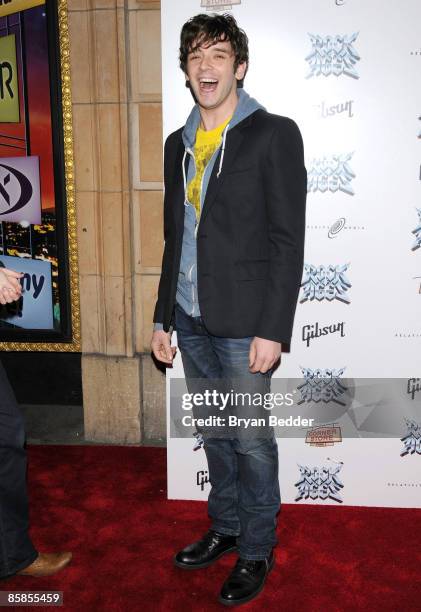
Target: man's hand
<point>10,287</point>
<point>161,346</point>
<point>263,354</point>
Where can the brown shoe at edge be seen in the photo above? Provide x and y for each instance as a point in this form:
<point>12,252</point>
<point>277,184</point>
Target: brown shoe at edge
<point>47,564</point>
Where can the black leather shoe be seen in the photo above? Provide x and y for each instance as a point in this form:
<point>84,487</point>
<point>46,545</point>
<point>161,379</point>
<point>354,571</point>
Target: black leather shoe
<point>246,581</point>
<point>207,550</point>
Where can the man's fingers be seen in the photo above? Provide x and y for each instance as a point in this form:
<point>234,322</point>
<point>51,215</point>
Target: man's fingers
<point>258,363</point>
<point>161,354</point>
<point>16,284</point>
<point>161,347</point>
<point>266,366</point>
<point>252,354</point>
<point>12,273</point>
<point>168,352</point>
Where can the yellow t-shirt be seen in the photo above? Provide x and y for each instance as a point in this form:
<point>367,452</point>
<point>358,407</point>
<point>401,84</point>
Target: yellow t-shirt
<point>205,146</point>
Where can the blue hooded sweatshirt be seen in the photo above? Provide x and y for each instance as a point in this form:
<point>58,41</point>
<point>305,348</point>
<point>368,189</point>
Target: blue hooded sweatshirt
<point>186,295</point>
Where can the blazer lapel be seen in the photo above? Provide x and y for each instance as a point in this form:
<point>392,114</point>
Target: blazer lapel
<point>177,188</point>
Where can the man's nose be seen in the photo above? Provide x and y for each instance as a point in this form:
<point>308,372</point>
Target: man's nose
<point>205,62</point>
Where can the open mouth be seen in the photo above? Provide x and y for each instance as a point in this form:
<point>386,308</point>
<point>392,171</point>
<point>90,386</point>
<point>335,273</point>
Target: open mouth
<point>208,85</point>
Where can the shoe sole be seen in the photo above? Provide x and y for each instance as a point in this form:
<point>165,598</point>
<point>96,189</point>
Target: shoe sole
<point>244,600</point>
<point>203,565</point>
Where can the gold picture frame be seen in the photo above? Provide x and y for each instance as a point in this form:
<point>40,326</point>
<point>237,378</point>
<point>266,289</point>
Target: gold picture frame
<point>68,338</point>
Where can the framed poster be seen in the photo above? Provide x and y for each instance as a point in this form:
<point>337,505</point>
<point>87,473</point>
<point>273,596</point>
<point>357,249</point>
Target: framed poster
<point>37,193</point>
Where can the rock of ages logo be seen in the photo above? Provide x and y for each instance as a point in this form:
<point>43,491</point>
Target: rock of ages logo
<point>320,483</point>
<point>330,173</point>
<point>412,439</point>
<point>417,232</point>
<point>322,386</point>
<point>333,55</point>
<point>218,5</point>
<point>325,283</point>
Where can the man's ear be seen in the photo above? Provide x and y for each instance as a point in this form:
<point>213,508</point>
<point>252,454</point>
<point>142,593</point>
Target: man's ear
<point>240,73</point>
<point>187,82</point>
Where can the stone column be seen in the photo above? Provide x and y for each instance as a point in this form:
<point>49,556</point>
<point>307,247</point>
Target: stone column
<point>115,49</point>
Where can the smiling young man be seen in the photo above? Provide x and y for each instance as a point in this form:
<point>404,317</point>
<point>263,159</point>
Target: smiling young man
<point>234,220</point>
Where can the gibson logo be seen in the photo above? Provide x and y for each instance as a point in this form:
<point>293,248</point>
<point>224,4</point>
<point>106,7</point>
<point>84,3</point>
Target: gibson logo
<point>413,386</point>
<point>335,109</point>
<point>310,332</point>
<point>202,478</point>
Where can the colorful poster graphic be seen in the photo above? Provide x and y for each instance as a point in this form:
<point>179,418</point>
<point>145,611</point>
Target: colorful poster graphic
<point>34,309</point>
<point>30,201</point>
<point>20,190</point>
<point>9,92</point>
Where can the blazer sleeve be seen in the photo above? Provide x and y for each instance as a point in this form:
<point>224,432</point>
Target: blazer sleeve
<point>168,254</point>
<point>285,188</point>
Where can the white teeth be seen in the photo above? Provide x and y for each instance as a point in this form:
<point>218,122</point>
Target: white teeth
<point>208,81</point>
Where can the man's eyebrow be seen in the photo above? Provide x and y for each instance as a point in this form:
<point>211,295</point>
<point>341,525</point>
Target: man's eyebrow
<point>221,49</point>
<point>215,47</point>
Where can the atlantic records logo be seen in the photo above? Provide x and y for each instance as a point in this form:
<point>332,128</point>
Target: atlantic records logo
<point>20,189</point>
<point>219,5</point>
<point>336,227</point>
<point>324,435</point>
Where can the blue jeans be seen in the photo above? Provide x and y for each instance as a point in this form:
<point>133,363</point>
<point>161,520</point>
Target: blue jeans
<point>244,498</point>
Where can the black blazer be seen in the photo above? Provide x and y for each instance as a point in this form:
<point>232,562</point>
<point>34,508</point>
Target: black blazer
<point>250,240</point>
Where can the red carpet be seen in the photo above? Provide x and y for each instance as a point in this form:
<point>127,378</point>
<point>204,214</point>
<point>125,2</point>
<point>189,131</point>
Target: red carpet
<point>108,505</point>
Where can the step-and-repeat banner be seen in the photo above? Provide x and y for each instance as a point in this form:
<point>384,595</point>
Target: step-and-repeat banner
<point>349,73</point>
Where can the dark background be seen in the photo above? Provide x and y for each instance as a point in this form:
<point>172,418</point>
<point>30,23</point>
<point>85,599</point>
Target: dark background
<point>45,378</point>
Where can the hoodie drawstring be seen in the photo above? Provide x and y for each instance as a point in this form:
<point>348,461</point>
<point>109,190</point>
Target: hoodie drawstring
<point>221,161</point>
<point>184,175</point>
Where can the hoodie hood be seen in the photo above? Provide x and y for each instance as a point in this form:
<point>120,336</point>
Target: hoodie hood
<point>245,107</point>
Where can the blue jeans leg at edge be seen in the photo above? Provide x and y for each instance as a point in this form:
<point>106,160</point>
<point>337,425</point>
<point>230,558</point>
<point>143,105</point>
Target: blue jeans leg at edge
<point>244,497</point>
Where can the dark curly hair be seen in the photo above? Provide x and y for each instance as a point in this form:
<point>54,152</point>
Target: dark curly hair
<point>212,28</point>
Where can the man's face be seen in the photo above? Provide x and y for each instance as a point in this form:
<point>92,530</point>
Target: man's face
<point>210,71</point>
